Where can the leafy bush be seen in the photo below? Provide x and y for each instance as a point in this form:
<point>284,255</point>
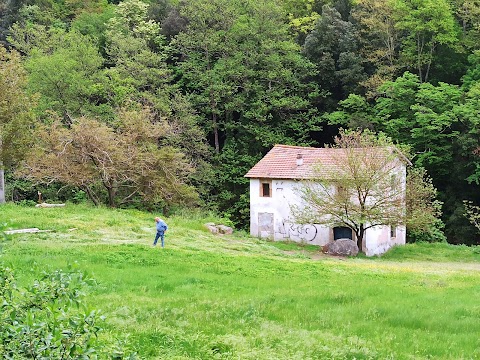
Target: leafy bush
<point>47,320</point>
<point>26,203</point>
<point>432,233</point>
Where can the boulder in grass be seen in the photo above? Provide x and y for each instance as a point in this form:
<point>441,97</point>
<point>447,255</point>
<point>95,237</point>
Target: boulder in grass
<point>342,247</point>
<point>223,229</point>
<point>219,229</point>
<point>212,228</point>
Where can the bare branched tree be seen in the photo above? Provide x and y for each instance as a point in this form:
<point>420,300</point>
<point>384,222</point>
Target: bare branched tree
<point>125,161</point>
<point>361,186</point>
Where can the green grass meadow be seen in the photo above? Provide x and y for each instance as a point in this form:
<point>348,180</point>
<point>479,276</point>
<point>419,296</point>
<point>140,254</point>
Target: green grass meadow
<point>235,297</point>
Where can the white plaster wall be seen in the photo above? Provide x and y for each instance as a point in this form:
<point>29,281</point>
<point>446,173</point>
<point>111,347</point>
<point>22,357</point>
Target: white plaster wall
<point>283,196</point>
<point>378,240</point>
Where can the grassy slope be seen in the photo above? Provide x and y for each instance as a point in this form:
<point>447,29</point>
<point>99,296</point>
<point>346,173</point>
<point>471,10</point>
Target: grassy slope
<point>214,297</point>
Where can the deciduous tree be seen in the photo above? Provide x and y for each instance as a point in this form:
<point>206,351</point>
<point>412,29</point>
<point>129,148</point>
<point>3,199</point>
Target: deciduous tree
<point>125,161</point>
<point>16,118</point>
<point>366,189</point>
<point>423,209</point>
<point>136,56</point>
<point>333,47</point>
<point>379,40</point>
<point>468,11</point>
<point>355,112</point>
<point>426,24</point>
<point>66,77</point>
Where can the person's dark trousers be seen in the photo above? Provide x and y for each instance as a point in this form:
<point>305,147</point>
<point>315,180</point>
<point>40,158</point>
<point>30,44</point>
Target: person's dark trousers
<point>160,235</point>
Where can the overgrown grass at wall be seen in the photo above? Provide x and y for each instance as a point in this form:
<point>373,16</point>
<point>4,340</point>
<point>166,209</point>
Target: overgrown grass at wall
<point>234,297</point>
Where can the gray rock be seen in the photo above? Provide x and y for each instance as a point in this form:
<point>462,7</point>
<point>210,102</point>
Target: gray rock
<point>219,229</point>
<point>223,229</point>
<point>342,247</point>
<point>212,228</point>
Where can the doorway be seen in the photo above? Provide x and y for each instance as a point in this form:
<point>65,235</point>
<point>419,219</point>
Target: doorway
<point>265,225</point>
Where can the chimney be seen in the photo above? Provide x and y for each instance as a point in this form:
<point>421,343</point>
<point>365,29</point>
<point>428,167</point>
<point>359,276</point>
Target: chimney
<point>299,160</point>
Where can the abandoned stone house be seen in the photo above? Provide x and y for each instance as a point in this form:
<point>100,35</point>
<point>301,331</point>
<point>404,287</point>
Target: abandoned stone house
<point>274,185</point>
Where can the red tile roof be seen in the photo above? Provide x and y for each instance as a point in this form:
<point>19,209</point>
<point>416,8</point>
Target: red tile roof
<point>281,163</point>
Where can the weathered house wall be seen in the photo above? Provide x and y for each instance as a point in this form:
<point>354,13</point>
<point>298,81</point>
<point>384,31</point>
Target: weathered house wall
<point>270,216</point>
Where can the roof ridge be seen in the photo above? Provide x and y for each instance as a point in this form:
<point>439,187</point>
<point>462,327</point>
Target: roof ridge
<point>297,147</point>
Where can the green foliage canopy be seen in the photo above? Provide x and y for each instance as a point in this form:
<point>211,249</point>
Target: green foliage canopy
<point>16,120</point>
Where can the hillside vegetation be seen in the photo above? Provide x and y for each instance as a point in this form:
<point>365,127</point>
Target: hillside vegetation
<point>235,297</point>
<point>165,104</point>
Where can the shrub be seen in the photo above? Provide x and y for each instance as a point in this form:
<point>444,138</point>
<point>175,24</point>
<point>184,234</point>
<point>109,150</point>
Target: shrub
<point>432,233</point>
<point>47,320</point>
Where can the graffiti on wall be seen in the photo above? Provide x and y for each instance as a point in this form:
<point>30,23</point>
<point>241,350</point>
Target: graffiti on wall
<point>303,232</point>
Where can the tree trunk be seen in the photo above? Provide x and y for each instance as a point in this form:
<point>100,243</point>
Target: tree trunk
<point>419,58</point>
<point>215,134</point>
<point>360,235</point>
<point>2,185</point>
<point>213,106</point>
<point>109,184</point>
<point>111,196</point>
<point>90,195</point>
<point>429,64</point>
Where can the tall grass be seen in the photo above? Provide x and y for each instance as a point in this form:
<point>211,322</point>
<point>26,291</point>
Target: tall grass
<point>434,252</point>
<point>234,297</point>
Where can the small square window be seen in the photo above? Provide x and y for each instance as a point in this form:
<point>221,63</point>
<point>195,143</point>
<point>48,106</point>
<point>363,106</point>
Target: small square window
<point>265,189</point>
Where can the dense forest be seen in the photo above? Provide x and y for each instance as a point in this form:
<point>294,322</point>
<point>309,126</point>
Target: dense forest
<point>161,104</point>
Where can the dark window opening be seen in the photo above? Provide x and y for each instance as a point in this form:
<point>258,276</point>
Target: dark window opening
<point>342,232</point>
<point>265,190</point>
<point>393,231</point>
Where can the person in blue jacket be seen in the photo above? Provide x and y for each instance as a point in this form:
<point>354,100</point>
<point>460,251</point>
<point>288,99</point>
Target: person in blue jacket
<point>161,228</point>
